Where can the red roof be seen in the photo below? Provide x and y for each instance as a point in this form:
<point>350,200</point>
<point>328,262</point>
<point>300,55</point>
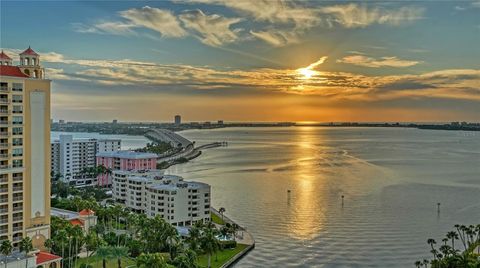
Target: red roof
<point>46,258</point>
<point>29,51</point>
<point>86,212</point>
<point>76,222</point>
<point>4,56</point>
<point>7,70</point>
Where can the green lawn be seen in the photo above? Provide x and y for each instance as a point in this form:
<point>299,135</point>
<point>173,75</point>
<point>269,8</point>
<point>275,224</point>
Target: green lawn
<point>223,256</point>
<point>111,263</point>
<point>216,219</point>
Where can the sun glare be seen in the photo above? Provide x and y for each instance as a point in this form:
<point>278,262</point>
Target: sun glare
<point>307,73</point>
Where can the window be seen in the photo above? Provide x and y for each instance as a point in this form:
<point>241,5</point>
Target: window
<point>17,109</point>
<point>17,98</point>
<point>17,141</point>
<point>17,163</point>
<point>17,87</point>
<point>17,120</point>
<point>17,131</point>
<point>17,152</point>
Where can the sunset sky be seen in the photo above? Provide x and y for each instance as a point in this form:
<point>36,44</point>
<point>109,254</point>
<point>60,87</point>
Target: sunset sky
<point>253,60</point>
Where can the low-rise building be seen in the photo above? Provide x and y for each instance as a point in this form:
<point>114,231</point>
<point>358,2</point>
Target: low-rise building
<point>124,160</point>
<point>179,202</point>
<point>86,218</point>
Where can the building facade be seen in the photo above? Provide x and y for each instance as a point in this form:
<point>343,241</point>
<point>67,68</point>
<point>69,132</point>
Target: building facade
<point>179,202</point>
<point>24,150</point>
<point>124,160</point>
<point>69,157</point>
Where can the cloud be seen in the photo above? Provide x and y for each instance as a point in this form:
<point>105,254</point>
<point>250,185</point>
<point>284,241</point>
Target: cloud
<point>105,27</point>
<point>273,11</point>
<point>476,4</point>
<point>212,30</point>
<point>362,60</point>
<point>159,20</point>
<point>277,38</point>
<point>115,74</point>
<point>357,16</point>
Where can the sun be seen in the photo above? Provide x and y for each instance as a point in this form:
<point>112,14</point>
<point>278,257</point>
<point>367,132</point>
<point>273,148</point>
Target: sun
<point>306,72</point>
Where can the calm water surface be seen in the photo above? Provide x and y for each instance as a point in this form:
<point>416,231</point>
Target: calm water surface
<point>391,178</point>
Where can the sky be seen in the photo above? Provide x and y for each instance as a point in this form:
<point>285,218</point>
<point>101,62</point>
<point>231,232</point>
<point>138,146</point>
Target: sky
<point>253,60</point>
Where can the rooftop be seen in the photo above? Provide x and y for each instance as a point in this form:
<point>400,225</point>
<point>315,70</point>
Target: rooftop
<point>29,51</point>
<point>46,258</point>
<point>127,155</point>
<point>4,56</point>
<point>7,70</point>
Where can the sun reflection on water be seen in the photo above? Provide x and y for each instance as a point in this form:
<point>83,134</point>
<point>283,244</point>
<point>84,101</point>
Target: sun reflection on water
<point>307,217</point>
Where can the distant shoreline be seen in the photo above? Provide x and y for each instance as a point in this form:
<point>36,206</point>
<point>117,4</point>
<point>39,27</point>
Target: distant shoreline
<point>140,129</point>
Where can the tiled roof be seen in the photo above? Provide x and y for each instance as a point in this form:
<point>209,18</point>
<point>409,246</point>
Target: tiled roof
<point>29,51</point>
<point>4,56</point>
<point>76,222</point>
<point>46,258</point>
<point>7,70</point>
<point>86,212</point>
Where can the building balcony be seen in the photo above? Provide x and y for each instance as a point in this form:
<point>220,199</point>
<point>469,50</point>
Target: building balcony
<point>18,209</point>
<point>3,200</point>
<point>3,180</point>
<point>18,198</point>
<point>4,101</point>
<point>4,89</point>
<point>4,190</point>
<point>4,123</point>
<point>17,229</point>
<point>4,145</point>
<point>3,210</point>
<point>4,156</point>
<point>3,221</point>
<point>19,218</point>
<point>4,112</point>
<point>18,188</point>
<point>4,134</point>
<point>18,178</point>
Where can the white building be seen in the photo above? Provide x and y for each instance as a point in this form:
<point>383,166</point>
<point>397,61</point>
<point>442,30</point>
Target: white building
<point>179,202</point>
<point>70,156</point>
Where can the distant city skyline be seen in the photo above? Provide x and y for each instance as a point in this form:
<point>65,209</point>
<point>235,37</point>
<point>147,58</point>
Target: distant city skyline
<point>274,61</point>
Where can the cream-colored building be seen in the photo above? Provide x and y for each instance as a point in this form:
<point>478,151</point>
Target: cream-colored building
<point>179,202</point>
<point>24,150</point>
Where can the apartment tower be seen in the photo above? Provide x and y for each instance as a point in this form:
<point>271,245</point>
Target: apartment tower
<point>24,149</point>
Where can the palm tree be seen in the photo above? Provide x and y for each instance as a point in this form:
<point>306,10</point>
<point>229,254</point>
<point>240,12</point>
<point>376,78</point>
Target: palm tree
<point>26,246</point>
<point>425,262</point>
<point>209,243</point>
<point>452,235</point>
<point>62,240</point>
<point>119,253</point>
<point>221,211</point>
<point>104,253</point>
<point>418,264</point>
<point>154,260</point>
<point>49,244</point>
<point>6,249</point>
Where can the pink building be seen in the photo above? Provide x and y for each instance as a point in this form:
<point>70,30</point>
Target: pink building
<point>124,160</point>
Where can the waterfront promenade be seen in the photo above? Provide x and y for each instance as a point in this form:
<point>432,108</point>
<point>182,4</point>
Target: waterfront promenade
<point>243,237</point>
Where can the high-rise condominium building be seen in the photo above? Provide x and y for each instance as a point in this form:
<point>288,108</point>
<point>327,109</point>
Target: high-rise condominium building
<point>71,156</point>
<point>178,120</point>
<point>179,202</point>
<point>24,150</point>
